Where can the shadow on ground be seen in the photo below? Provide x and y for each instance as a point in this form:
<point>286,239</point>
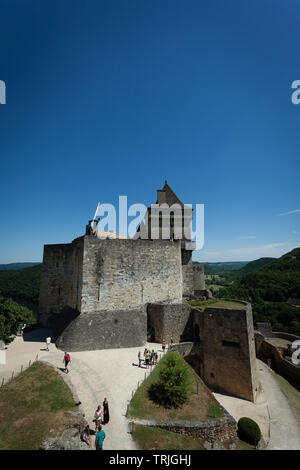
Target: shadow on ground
<point>38,335</point>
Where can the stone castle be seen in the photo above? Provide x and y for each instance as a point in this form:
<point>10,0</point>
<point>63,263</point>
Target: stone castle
<point>99,293</point>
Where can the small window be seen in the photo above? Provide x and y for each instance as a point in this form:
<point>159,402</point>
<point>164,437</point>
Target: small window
<point>212,375</point>
<point>231,344</point>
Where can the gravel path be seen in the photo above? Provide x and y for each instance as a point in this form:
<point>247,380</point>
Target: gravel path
<point>284,429</point>
<point>94,375</point>
<point>107,373</point>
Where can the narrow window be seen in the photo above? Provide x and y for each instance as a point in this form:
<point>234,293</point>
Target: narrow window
<point>231,344</point>
<point>98,292</point>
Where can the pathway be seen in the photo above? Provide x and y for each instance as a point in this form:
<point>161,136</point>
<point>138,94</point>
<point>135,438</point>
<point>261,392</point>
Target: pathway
<point>284,429</point>
<point>22,350</point>
<point>106,373</point>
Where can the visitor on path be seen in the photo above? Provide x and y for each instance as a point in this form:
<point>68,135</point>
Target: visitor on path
<point>163,345</point>
<point>98,417</point>
<point>66,360</point>
<point>48,341</point>
<point>155,358</point>
<point>145,350</point>
<point>147,357</point>
<point>86,436</point>
<point>100,436</point>
<point>105,411</point>
<point>152,357</point>
<point>139,358</point>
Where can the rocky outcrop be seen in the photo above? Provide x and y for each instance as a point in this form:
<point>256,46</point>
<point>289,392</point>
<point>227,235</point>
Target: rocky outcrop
<point>70,439</point>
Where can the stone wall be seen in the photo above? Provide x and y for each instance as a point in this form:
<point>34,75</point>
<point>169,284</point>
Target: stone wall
<point>105,330</point>
<point>270,354</point>
<point>94,291</point>
<point>229,351</point>
<point>187,280</point>
<point>168,320</point>
<point>199,278</point>
<point>61,281</point>
<point>265,329</point>
<point>183,349</point>
<point>124,274</point>
<point>223,353</point>
<point>221,429</point>
<point>192,353</point>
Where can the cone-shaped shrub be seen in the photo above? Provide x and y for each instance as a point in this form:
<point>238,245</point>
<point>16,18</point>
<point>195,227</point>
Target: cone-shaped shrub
<point>173,385</point>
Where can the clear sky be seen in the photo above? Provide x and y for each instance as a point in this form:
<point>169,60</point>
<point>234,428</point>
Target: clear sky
<point>109,98</point>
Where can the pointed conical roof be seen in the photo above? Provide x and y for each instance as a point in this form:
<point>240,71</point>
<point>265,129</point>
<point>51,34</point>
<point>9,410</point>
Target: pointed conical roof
<point>170,196</point>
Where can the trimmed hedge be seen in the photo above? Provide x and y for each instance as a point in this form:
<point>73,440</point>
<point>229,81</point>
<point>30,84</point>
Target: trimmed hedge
<point>249,431</point>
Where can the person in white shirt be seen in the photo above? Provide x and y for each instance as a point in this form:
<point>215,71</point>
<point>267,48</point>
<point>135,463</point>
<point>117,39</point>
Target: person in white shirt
<point>48,341</point>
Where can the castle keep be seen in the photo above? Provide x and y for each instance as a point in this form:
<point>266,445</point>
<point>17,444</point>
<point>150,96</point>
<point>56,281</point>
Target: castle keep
<point>99,293</point>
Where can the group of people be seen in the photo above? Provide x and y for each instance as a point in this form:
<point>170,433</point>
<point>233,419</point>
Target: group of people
<point>101,417</point>
<point>150,358</point>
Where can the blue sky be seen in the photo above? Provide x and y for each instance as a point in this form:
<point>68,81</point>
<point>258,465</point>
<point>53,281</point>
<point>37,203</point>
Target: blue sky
<point>109,98</point>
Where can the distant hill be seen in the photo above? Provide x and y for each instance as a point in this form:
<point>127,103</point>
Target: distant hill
<point>213,268</point>
<point>14,266</point>
<point>256,264</point>
<point>269,288</point>
<point>22,285</point>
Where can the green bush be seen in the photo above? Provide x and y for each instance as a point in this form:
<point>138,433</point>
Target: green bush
<point>173,386</point>
<point>11,315</point>
<point>249,431</point>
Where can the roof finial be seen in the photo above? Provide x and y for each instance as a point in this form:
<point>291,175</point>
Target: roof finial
<point>165,181</point>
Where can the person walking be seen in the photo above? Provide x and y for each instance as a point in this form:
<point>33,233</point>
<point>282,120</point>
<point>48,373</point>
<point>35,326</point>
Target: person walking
<point>98,417</point>
<point>48,341</point>
<point>139,358</point>
<point>100,436</point>
<point>163,345</point>
<point>105,411</point>
<point>66,360</point>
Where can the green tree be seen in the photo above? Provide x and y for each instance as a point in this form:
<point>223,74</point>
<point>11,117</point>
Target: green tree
<point>173,386</point>
<point>11,315</point>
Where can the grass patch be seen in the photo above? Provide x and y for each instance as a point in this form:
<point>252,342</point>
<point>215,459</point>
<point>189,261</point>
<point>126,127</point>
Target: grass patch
<point>292,395</point>
<point>214,410</point>
<point>197,407</point>
<point>227,304</point>
<point>202,303</point>
<point>32,404</point>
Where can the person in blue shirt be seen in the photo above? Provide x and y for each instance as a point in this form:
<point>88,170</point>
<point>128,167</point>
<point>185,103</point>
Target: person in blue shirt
<point>100,436</point>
